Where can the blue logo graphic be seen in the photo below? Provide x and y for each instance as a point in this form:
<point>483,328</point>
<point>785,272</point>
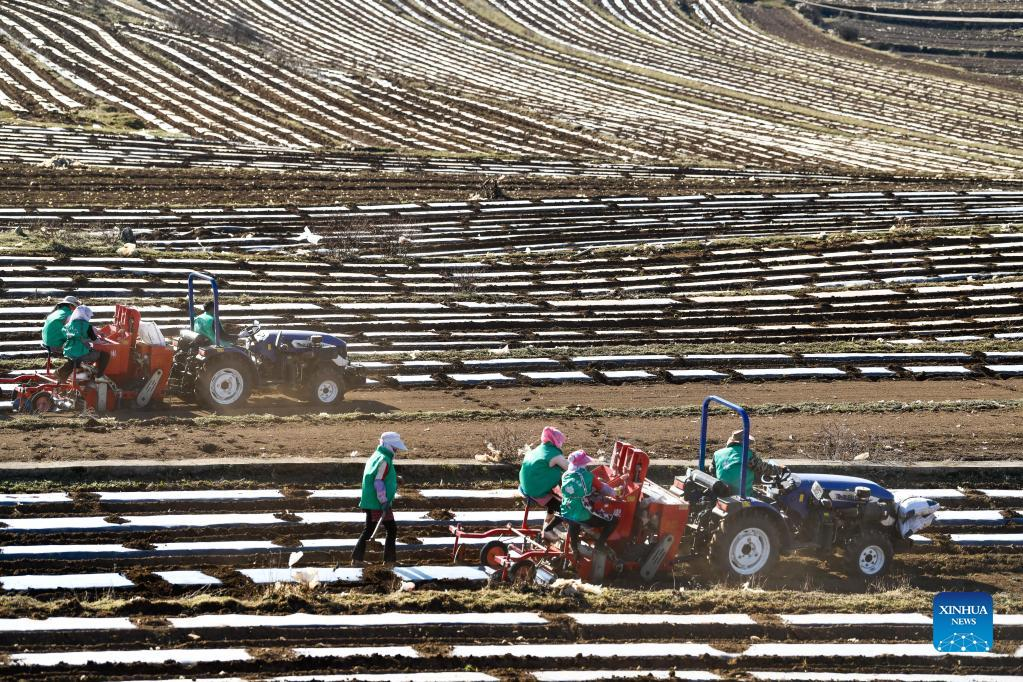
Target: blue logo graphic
<point>964,622</point>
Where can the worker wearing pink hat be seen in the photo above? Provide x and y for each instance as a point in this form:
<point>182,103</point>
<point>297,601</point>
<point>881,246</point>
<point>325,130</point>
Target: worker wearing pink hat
<point>541,472</point>
<point>577,485</point>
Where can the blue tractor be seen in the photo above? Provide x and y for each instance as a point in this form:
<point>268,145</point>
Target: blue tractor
<point>307,365</point>
<point>822,514</point>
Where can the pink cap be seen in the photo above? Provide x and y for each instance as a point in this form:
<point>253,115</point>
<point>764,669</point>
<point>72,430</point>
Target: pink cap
<point>579,459</point>
<point>553,436</point>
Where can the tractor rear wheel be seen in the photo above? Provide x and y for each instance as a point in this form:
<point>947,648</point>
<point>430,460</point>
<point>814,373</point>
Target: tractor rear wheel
<point>223,383</point>
<point>491,554</point>
<point>325,388</point>
<point>745,547</point>
<point>869,555</point>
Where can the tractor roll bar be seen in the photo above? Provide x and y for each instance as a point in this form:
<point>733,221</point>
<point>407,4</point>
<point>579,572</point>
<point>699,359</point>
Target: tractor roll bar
<point>192,276</point>
<point>704,414</point>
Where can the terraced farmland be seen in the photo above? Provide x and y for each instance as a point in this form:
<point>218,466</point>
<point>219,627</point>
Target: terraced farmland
<point>565,79</point>
<point>246,583</point>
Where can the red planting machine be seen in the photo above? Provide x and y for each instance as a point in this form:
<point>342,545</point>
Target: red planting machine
<point>137,373</point>
<point>651,521</point>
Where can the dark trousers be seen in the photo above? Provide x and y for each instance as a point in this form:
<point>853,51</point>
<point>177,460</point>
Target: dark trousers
<point>100,357</point>
<point>606,527</point>
<point>553,509</point>
<point>372,517</point>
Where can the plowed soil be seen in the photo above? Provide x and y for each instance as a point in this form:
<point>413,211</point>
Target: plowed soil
<point>888,437</point>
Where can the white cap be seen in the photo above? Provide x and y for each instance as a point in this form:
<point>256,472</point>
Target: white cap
<point>71,300</point>
<point>391,439</point>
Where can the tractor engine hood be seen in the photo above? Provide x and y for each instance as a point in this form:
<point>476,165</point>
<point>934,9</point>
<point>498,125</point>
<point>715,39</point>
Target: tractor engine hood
<point>842,483</point>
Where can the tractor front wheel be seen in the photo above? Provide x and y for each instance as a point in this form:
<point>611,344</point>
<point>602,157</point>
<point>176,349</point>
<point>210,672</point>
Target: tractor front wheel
<point>223,383</point>
<point>326,388</point>
<point>744,547</point>
<point>869,555</point>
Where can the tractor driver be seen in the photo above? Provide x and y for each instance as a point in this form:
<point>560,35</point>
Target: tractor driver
<point>576,489</point>
<point>541,473</point>
<point>203,324</point>
<point>78,344</point>
<point>726,465</point>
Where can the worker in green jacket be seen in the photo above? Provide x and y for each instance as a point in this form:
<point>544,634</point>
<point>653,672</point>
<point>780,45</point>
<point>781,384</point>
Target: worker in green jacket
<point>78,347</point>
<point>53,328</point>
<point>577,485</point>
<point>727,465</point>
<point>379,486</point>
<point>540,474</point>
<point>206,323</point>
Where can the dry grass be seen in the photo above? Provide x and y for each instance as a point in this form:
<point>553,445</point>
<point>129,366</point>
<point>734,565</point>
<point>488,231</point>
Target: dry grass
<point>895,596</point>
<point>836,441</point>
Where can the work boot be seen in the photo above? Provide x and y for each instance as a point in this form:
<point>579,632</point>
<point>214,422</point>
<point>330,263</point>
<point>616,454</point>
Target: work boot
<point>390,552</point>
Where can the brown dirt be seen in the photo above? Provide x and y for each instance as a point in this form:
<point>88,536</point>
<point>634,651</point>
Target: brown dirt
<point>919,435</point>
<point>30,186</point>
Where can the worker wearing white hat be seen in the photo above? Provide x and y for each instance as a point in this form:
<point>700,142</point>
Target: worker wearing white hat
<point>379,486</point>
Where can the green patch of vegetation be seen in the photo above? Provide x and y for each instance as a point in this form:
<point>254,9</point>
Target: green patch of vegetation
<point>109,117</point>
<point>284,599</point>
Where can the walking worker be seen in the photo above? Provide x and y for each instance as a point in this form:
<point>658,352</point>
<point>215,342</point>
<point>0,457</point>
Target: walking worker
<point>206,323</point>
<point>379,485</point>
<point>576,488</point>
<point>541,473</point>
<point>727,464</point>
<point>53,328</point>
<point>78,344</point>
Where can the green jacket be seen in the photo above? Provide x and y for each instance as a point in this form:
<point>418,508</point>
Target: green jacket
<point>76,345</point>
<point>369,476</point>
<point>575,486</point>
<point>53,328</point>
<point>205,324</point>
<point>536,476</point>
<point>728,468</point>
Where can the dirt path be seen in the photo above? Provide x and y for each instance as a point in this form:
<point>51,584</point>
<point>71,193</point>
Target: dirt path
<point>887,437</point>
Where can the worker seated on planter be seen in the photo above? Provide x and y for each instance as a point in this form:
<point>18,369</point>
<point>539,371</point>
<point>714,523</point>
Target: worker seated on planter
<point>576,491</point>
<point>53,328</point>
<point>541,473</point>
<point>204,324</point>
<point>726,465</point>
<point>78,348</point>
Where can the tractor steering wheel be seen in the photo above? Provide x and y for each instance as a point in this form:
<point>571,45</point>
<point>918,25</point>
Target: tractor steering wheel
<point>250,330</point>
<point>777,479</point>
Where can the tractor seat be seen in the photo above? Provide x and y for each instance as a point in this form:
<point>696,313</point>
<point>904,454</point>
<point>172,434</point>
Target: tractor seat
<point>533,502</point>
